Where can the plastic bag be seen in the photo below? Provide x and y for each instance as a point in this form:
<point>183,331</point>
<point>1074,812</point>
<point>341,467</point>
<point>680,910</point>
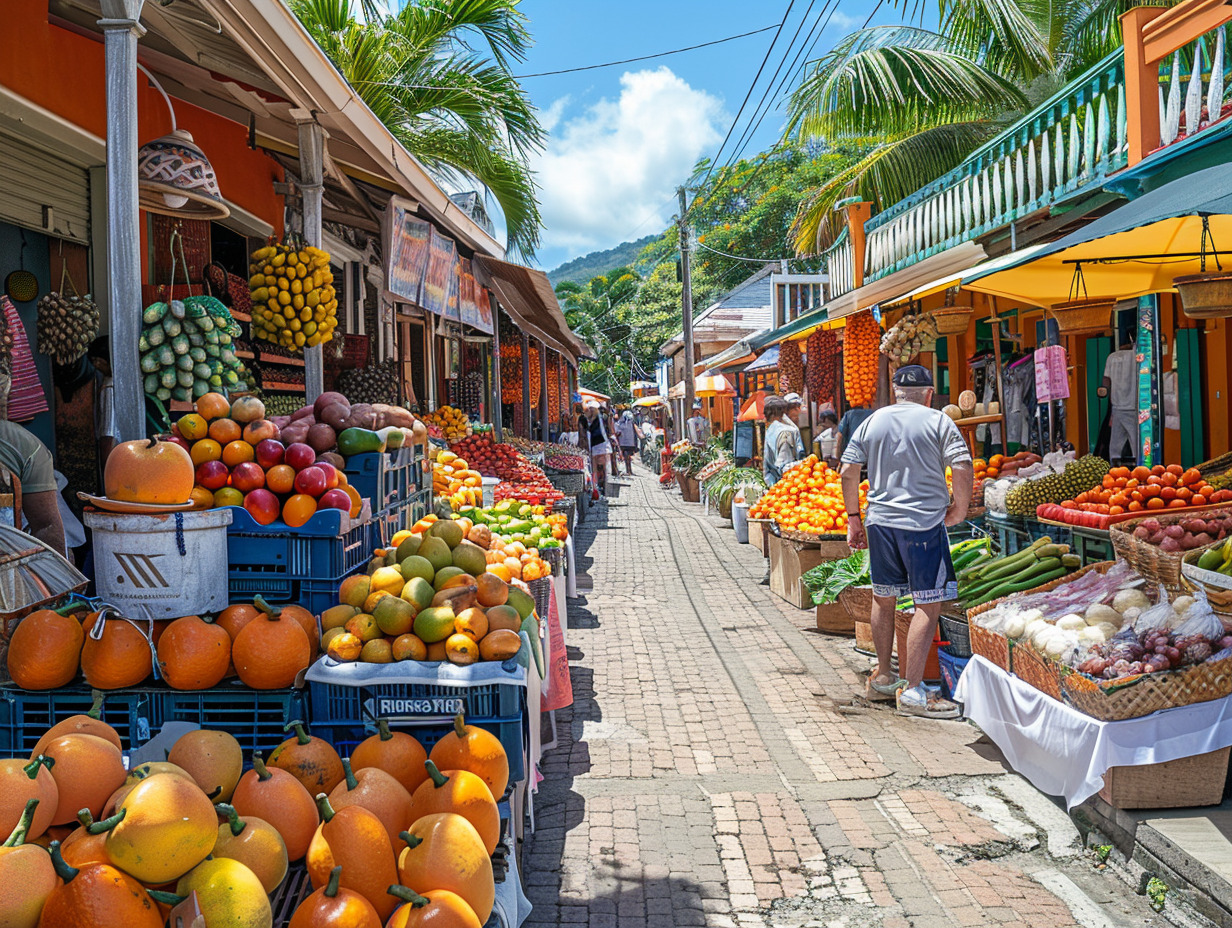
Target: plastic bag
<point>1157,617</point>
<point>1200,620</point>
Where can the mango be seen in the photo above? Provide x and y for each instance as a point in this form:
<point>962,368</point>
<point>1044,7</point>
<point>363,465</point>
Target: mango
<point>470,558</point>
<point>418,592</point>
<point>500,645</point>
<point>521,601</point>
<point>409,648</point>
<point>434,624</point>
<point>364,627</point>
<point>416,566</point>
<point>461,649</point>
<point>448,531</point>
<point>377,651</point>
<point>409,547</point>
<point>394,616</point>
<point>337,616</point>
<point>354,590</point>
<point>436,551</point>
<point>444,574</point>
<point>228,893</point>
<point>503,617</point>
<point>389,580</point>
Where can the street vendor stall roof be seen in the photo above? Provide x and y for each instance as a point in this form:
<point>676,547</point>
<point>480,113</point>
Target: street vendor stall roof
<point>753,408</point>
<point>1134,250</point>
<point>768,359</point>
<point>728,361</point>
<point>704,386</point>
<point>650,401</point>
<point>894,286</point>
<point>586,394</point>
<point>527,296</point>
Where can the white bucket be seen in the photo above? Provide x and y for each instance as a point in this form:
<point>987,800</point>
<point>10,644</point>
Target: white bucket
<point>147,568</point>
<point>740,522</point>
<point>489,490</point>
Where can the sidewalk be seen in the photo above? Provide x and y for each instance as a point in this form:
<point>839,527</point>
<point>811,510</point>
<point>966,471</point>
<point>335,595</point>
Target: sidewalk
<point>712,770</point>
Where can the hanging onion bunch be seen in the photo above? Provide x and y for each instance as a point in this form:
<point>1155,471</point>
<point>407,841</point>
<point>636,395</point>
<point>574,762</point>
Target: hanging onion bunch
<point>66,326</point>
<point>908,337</point>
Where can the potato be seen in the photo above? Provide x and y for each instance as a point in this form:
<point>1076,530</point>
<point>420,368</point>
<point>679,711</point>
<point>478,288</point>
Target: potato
<point>321,437</point>
<point>335,415</point>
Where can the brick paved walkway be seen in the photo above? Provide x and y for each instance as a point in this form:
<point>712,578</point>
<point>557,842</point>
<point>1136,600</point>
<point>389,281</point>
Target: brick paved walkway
<point>713,772</point>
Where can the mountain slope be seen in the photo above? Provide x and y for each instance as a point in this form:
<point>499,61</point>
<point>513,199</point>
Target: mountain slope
<point>581,270</point>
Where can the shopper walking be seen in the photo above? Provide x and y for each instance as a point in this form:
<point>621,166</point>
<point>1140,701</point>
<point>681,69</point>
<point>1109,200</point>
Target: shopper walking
<point>593,432</point>
<point>626,437</point>
<point>696,427</point>
<point>907,448</point>
<point>795,405</point>
<point>781,450</point>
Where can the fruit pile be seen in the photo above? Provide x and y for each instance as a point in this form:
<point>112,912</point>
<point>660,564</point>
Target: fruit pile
<point>265,646</point>
<point>861,351</point>
<point>1000,465</point>
<point>520,479</point>
<point>808,498</point>
<point>240,459</point>
<point>432,597</point>
<point>908,337</point>
<point>821,371</point>
<point>1143,489</point>
<point>1186,532</point>
<point>66,326</point>
<point>1217,558</point>
<point>448,423</point>
<point>186,350</point>
<point>395,833</point>
<point>559,461</point>
<point>1077,476</point>
<point>511,522</point>
<point>791,368</point>
<point>453,478</point>
<point>293,299</point>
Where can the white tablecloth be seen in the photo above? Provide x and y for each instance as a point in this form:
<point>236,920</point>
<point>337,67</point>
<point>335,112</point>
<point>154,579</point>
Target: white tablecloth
<point>1064,752</point>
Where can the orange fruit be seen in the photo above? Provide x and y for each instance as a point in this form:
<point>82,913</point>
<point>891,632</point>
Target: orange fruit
<point>224,431</point>
<point>205,450</point>
<point>228,496</point>
<point>192,427</point>
<point>213,406</point>
<point>298,509</point>
<point>280,478</point>
<point>201,498</point>
<point>357,501</point>
<point>237,452</point>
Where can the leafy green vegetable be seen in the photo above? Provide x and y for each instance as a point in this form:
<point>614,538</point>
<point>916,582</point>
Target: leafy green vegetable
<point>828,579</point>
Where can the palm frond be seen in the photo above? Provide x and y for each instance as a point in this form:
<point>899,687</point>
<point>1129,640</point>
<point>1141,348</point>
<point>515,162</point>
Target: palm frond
<point>438,24</point>
<point>892,80</point>
<point>1001,34</point>
<point>893,170</point>
<point>1093,31</point>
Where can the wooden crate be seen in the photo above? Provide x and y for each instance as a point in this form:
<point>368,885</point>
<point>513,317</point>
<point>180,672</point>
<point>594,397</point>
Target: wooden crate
<point>789,561</point>
<point>833,619</point>
<point>1181,783</point>
<point>759,535</point>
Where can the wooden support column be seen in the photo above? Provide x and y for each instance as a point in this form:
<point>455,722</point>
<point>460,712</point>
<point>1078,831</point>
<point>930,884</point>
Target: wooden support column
<point>543,392</point>
<point>526,384</point>
<point>497,410</point>
<point>1141,84</point>
<point>857,215</point>
<point>312,185</point>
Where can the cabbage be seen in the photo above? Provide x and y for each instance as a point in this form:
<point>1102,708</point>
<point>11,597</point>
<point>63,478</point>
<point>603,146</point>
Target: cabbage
<point>1099,613</point>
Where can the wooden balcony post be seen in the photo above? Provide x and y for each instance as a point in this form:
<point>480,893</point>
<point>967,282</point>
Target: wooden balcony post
<point>1141,84</point>
<point>857,215</point>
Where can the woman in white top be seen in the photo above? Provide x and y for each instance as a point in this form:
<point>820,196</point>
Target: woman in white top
<point>594,434</point>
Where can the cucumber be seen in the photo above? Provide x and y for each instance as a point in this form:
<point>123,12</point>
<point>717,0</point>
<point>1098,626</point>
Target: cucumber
<point>154,313</point>
<point>168,377</point>
<point>184,363</point>
<point>150,384</point>
<point>184,378</point>
<point>197,353</point>
<point>180,344</point>
<point>155,336</point>
<point>163,394</point>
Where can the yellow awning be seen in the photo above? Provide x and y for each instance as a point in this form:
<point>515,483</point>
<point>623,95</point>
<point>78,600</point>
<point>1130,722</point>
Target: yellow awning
<point>704,386</point>
<point>650,401</point>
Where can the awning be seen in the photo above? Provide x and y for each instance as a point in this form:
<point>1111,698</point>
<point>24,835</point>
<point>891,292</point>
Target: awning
<point>1134,250</point>
<point>894,286</point>
<point>753,408</point>
<point>729,360</point>
<point>944,282</point>
<point>650,401</point>
<point>801,327</point>
<point>527,296</point>
<point>768,359</point>
<point>593,395</point>
<point>703,387</point>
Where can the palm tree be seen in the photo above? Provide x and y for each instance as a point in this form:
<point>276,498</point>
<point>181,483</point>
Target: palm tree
<point>437,74</point>
<point>598,312</point>
<point>932,97</point>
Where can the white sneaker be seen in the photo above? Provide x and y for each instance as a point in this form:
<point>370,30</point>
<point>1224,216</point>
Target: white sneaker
<point>918,701</point>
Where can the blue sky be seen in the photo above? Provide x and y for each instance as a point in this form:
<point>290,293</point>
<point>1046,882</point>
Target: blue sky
<point>623,138</point>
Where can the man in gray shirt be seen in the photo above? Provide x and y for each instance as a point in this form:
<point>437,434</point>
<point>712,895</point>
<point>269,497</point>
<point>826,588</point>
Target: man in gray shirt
<point>907,448</point>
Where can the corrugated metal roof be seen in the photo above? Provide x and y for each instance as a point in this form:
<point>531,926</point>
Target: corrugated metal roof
<point>742,311</point>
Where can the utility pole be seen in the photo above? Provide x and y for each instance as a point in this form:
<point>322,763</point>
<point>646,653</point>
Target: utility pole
<point>686,300</point>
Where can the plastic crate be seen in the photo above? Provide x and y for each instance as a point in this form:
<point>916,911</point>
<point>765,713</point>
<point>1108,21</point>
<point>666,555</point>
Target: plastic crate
<point>314,595</point>
<point>291,556</point>
<point>401,515</point>
<point>359,706</point>
<point>255,717</point>
<point>951,669</point>
<point>510,732</point>
<point>384,478</point>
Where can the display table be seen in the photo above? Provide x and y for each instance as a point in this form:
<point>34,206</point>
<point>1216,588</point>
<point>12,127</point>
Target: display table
<point>1066,753</point>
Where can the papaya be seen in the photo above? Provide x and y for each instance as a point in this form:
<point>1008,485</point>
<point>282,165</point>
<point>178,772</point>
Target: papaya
<point>359,441</point>
<point>255,843</point>
<point>164,827</point>
<point>356,840</point>
<point>444,851</point>
<point>229,894</point>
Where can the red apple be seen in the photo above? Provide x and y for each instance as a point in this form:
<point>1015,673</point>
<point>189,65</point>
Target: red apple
<point>300,455</point>
<point>310,480</point>
<point>331,474</point>
<point>212,475</point>
<point>270,453</point>
<point>260,430</point>
<point>263,506</point>
<point>176,440</point>
<point>248,476</point>
<point>334,499</point>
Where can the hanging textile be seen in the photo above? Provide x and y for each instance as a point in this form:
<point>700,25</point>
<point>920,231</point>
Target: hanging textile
<point>26,397</point>
<point>535,383</point>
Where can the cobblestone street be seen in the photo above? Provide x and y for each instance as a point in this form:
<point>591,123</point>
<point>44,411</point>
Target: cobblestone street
<point>712,770</point>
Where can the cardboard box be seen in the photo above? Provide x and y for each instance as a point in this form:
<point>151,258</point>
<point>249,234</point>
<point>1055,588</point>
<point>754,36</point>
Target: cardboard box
<point>759,535</point>
<point>789,561</point>
<point>1187,781</point>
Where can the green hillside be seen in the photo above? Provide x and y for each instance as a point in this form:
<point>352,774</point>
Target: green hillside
<point>581,270</point>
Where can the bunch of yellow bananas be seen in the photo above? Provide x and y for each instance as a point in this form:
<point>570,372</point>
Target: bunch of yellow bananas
<point>293,299</point>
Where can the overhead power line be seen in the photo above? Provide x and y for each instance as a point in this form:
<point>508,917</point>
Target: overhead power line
<point>674,51</point>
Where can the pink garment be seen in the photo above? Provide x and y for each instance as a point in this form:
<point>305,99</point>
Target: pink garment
<point>26,397</point>
<point>560,692</point>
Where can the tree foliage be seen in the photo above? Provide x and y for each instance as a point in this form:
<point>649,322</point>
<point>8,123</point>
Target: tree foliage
<point>437,74</point>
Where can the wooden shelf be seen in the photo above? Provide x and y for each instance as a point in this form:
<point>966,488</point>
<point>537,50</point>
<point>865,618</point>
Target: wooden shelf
<point>246,355</point>
<point>240,316</point>
<point>284,387</point>
<point>181,406</point>
<point>972,421</point>
<point>281,359</point>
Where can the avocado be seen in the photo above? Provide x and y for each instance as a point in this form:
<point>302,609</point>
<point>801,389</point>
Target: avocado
<point>521,601</point>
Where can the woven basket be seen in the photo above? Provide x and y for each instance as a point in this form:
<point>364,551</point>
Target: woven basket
<point>1205,296</point>
<point>989,645</point>
<point>571,483</point>
<point>1134,697</point>
<point>541,590</point>
<point>953,320</point>
<point>1216,466</point>
<point>1148,560</point>
<point>858,601</point>
<point>690,489</point>
<point>1039,670</point>
<point>1083,317</point>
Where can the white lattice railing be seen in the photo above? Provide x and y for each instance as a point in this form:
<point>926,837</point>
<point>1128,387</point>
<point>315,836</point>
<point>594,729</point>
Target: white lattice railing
<point>1194,88</point>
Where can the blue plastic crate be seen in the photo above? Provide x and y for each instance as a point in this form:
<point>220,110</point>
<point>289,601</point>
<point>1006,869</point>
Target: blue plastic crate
<point>384,478</point>
<point>314,595</point>
<point>360,706</point>
<point>510,732</point>
<point>951,669</point>
<point>401,515</point>
<point>292,556</point>
<point>255,717</point>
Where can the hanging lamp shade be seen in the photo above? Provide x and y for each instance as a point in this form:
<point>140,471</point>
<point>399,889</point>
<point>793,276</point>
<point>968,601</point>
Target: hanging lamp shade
<point>175,178</point>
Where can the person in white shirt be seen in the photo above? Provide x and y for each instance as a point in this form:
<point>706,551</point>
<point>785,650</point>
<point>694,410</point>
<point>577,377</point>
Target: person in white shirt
<point>697,428</point>
<point>1120,386</point>
<point>626,437</point>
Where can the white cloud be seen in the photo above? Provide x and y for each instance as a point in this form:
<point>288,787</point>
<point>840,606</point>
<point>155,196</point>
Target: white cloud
<point>840,20</point>
<point>610,173</point>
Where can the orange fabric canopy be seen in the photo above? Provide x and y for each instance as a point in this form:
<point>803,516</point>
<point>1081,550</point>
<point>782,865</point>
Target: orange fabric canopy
<point>753,408</point>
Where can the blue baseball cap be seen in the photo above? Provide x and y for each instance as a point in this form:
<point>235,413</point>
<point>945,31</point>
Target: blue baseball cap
<point>913,375</point>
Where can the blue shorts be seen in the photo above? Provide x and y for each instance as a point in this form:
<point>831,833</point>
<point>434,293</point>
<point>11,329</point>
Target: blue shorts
<point>902,562</point>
